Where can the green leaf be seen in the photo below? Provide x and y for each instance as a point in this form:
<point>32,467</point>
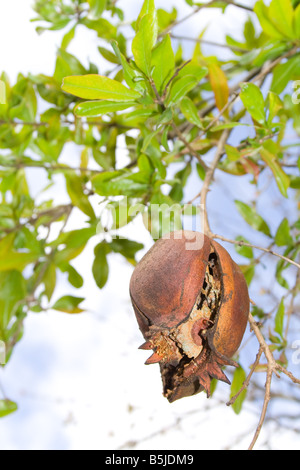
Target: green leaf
<point>75,238</point>
<point>2,92</point>
<point>250,33</point>
<point>104,29</point>
<point>238,380</point>
<point>131,75</point>
<point>108,55</point>
<point>295,182</point>
<point>100,267</point>
<point>245,251</point>
<point>144,42</point>
<point>25,108</point>
<point>228,125</point>
<point>77,196</point>
<point>297,21</point>
<point>281,14</point>
<point>97,87</point>
<point>12,291</point>
<point>162,63</point>
<point>164,138</point>
<point>279,319</point>
<point>249,272</point>
<point>90,109</point>
<point>68,37</point>
<point>7,407</point>
<point>283,236</point>
<point>126,248</point>
<point>67,64</point>
<point>181,87</point>
<point>190,112</point>
<point>253,101</point>
<point>176,192</point>
<point>270,158</point>
<point>191,68</point>
<point>17,260</point>
<point>49,280</point>
<point>148,139</point>
<point>233,153</point>
<point>116,183</point>
<point>97,7</point>
<point>252,218</point>
<point>147,8</point>
<point>284,73</point>
<point>74,278</point>
<point>69,304</point>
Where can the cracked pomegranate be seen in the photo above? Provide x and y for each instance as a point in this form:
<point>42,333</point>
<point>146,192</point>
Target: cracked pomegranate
<point>191,302</point>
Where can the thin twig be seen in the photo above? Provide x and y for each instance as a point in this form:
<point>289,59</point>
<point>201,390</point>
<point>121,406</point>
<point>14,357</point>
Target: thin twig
<point>55,213</point>
<point>163,97</point>
<point>250,245</point>
<point>208,179</point>
<point>239,5</point>
<point>209,43</point>
<point>187,17</point>
<point>248,379</point>
<point>192,151</point>
<point>272,368</point>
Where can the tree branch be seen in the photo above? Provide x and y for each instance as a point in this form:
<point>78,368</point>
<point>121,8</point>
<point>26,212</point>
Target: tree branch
<point>272,368</point>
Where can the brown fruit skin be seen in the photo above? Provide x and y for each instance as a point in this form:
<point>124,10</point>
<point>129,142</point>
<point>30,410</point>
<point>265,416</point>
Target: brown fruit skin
<point>164,288</point>
<point>228,332</point>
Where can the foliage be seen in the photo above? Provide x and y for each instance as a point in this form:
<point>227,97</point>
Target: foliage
<point>166,109</point>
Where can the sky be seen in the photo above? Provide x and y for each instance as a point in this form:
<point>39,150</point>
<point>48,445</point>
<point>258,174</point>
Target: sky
<point>80,381</point>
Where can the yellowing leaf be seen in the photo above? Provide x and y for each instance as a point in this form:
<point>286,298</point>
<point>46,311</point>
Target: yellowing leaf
<point>219,84</point>
<point>2,92</point>
<point>268,27</point>
<point>281,14</point>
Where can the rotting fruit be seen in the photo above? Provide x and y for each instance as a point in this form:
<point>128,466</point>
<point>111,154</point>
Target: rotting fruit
<point>191,302</point>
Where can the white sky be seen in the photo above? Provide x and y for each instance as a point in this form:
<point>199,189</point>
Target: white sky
<point>80,382</point>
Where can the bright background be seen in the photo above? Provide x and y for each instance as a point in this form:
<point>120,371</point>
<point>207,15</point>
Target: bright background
<point>80,381</point>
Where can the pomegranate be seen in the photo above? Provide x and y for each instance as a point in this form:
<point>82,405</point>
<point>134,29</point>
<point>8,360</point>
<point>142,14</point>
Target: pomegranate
<point>191,302</point>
